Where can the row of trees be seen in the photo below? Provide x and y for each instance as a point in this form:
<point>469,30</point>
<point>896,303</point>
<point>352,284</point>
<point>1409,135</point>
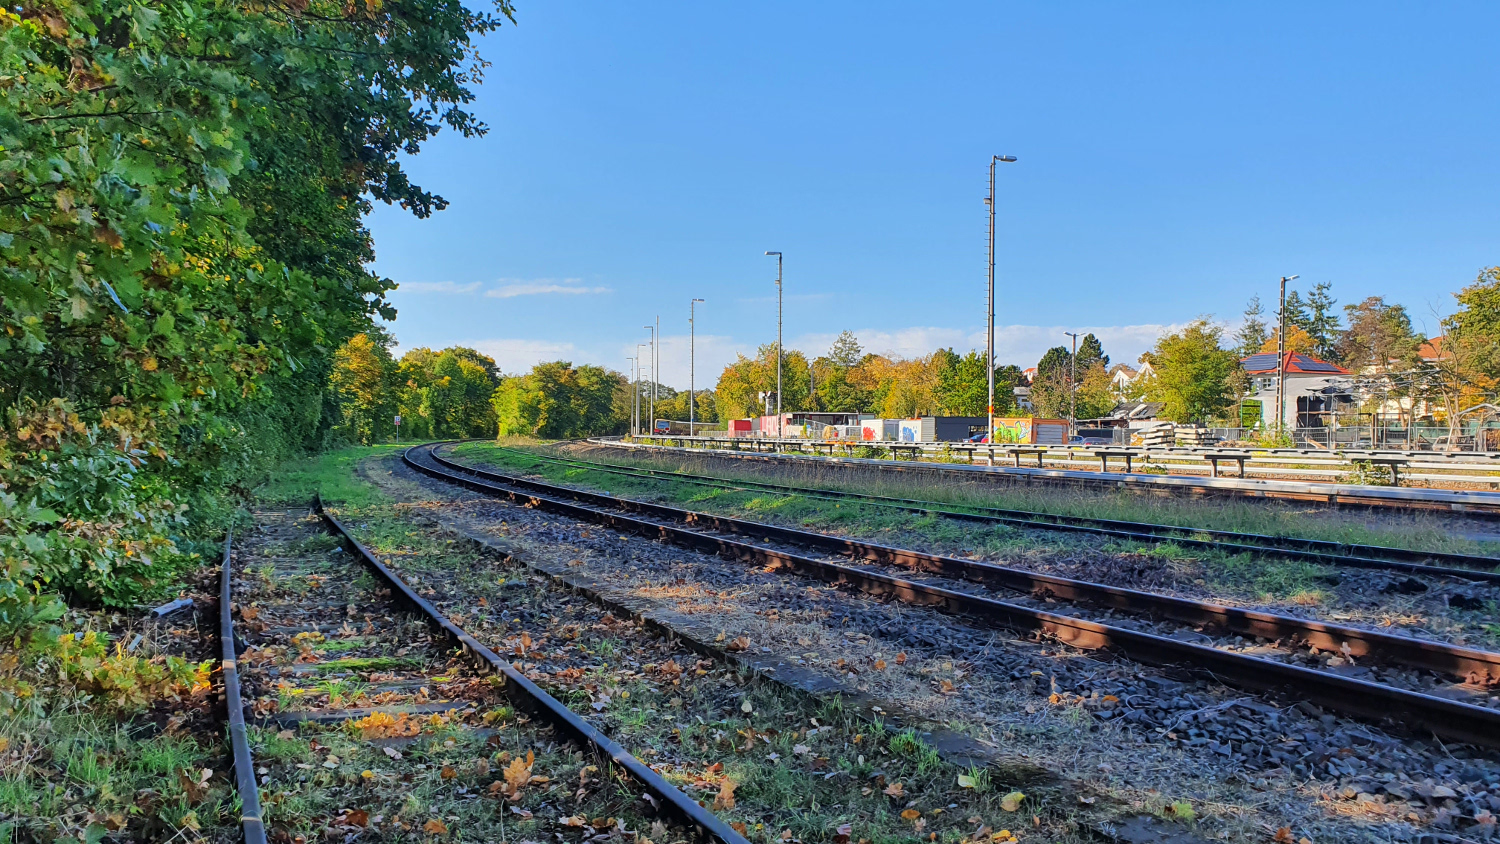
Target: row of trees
<point>850,380</point>
<point>182,250</point>
<point>438,395</point>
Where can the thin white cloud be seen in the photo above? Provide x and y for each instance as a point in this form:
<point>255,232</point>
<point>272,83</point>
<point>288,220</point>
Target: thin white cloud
<point>540,288</point>
<point>437,287</point>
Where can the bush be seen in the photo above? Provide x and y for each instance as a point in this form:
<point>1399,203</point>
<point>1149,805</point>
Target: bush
<point>116,539</point>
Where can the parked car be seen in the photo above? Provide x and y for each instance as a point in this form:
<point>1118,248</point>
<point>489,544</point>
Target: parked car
<point>1091,441</point>
<point>980,437</point>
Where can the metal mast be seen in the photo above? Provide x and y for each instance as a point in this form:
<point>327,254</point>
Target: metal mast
<point>989,333</point>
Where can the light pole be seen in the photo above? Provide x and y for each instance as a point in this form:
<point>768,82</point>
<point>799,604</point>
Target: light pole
<point>655,371</point>
<point>989,343</point>
<point>651,391</point>
<point>638,347</point>
<point>1072,384</point>
<point>1281,356</point>
<point>692,362</point>
<point>778,342</point>
<point>636,369</point>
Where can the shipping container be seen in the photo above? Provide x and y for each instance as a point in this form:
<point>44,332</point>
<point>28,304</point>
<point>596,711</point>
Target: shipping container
<point>1030,430</point>
<point>880,430</point>
<point>917,430</point>
<point>954,429</point>
<point>741,427</point>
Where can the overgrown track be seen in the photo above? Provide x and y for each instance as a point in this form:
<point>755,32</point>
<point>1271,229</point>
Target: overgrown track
<point>445,675</point>
<point>251,822</point>
<point>1352,696</point>
<point>1438,563</point>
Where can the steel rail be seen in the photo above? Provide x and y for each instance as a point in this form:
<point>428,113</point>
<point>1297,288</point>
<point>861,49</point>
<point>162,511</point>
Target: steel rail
<point>536,700</point>
<point>1334,495</point>
<point>252,821</point>
<point>1472,665</point>
<point>1447,718</point>
<point>1307,550</point>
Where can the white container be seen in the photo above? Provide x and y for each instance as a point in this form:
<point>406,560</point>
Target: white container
<point>917,430</point>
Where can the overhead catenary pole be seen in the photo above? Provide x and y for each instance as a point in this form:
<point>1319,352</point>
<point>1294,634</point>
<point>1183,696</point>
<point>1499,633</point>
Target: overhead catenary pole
<point>778,343</point>
<point>692,362</point>
<point>1281,357</point>
<point>989,342</point>
<point>655,371</point>
<point>1073,384</point>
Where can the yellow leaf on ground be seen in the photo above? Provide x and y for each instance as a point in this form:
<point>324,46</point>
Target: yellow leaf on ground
<point>725,798</point>
<point>1012,801</point>
<point>435,827</point>
<point>911,814</point>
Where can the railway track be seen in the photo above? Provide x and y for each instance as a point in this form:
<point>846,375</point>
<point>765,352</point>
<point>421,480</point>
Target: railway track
<point>1434,563</point>
<point>1371,700</point>
<point>368,711</point>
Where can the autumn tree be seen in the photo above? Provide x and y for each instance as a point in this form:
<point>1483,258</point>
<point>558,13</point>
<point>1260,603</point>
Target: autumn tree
<point>1193,379</point>
<point>365,386</point>
<point>742,382</point>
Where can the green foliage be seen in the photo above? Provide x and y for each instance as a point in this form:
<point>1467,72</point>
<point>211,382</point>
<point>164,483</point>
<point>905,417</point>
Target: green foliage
<point>364,384</point>
<point>557,401</point>
<point>1193,373</point>
<point>446,395</point>
<point>181,251</point>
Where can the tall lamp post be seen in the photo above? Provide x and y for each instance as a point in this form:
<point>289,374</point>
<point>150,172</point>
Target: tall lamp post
<point>1073,384</point>
<point>1281,356</point>
<point>636,370</point>
<point>651,391</point>
<point>778,342</point>
<point>692,362</point>
<point>638,347</point>
<point>989,343</point>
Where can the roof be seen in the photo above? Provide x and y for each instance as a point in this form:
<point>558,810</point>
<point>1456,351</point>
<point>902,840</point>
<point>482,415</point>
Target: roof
<point>1296,364</point>
<point>1135,410</point>
<point>1432,349</point>
<point>1129,371</point>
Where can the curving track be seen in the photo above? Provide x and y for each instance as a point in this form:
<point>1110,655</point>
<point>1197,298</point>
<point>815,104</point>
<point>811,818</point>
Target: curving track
<point>1436,563</point>
<point>1377,701</point>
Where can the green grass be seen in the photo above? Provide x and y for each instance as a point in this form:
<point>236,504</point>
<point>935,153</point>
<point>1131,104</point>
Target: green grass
<point>1274,518</point>
<point>332,472</point>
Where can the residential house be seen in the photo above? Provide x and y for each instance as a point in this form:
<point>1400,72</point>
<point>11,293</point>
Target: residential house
<point>1314,390</point>
<point>1123,377</point>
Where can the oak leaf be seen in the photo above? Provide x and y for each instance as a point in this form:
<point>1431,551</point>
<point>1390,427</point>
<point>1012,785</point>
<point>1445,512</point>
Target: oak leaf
<point>725,798</point>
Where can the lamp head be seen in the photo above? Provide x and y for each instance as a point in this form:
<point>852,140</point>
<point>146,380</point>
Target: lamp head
<point>778,254</point>
<point>1005,158</point>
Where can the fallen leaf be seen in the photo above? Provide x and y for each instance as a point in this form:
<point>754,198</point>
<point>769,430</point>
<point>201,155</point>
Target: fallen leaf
<point>895,790</point>
<point>741,643</point>
<point>746,707</point>
<point>965,781</point>
<point>740,828</point>
<point>448,773</point>
<point>517,810</point>
<point>801,749</point>
<point>355,817</point>
<point>725,798</point>
<point>901,658</point>
<point>249,613</point>
<point>435,827</point>
<point>392,752</point>
<point>1012,801</point>
<point>1284,835</point>
<point>911,814</point>
<point>844,831</point>
<point>879,665</point>
<point>573,820</point>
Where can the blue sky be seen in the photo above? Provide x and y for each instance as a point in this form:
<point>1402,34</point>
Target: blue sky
<point>1174,160</point>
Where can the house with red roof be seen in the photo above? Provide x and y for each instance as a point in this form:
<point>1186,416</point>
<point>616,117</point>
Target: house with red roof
<point>1315,389</point>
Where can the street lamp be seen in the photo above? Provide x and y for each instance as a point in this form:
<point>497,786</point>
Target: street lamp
<point>638,347</point>
<point>651,393</point>
<point>989,347</point>
<point>1281,356</point>
<point>778,342</point>
<point>1072,384</point>
<point>692,362</point>
<point>637,370</point>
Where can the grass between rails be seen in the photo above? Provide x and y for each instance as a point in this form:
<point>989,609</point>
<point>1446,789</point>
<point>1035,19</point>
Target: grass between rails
<point>1239,576</point>
<point>1273,518</point>
<point>776,764</point>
